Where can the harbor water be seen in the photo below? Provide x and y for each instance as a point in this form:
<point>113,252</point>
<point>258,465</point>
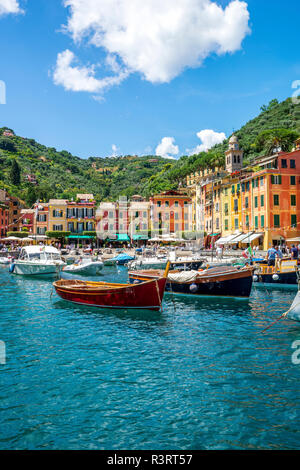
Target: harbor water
<point>199,375</point>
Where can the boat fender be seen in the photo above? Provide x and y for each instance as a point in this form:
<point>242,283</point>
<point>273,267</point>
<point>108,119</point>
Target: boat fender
<point>255,278</point>
<point>12,267</point>
<point>275,277</point>
<point>193,287</point>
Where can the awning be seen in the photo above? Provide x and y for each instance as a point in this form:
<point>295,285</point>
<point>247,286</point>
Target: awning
<point>140,237</point>
<point>242,237</point>
<point>79,237</point>
<point>228,240</point>
<point>123,237</point>
<point>296,239</point>
<point>252,237</point>
<point>224,240</point>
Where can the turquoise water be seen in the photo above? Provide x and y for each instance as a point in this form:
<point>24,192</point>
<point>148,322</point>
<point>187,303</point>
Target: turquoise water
<point>200,376</point>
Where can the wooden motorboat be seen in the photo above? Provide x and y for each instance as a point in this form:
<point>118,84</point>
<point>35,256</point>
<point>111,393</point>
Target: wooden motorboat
<point>226,281</point>
<point>145,295</point>
<point>284,272</point>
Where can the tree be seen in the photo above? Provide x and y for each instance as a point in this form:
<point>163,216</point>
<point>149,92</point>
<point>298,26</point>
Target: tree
<point>15,173</point>
<point>7,144</point>
<point>31,196</point>
<point>270,140</point>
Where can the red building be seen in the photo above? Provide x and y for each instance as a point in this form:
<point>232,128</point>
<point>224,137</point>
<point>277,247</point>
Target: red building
<point>4,218</point>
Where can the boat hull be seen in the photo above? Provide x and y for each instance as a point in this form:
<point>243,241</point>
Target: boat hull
<point>283,278</point>
<point>91,269</point>
<point>146,295</point>
<point>36,269</point>
<point>294,311</point>
<point>237,284</point>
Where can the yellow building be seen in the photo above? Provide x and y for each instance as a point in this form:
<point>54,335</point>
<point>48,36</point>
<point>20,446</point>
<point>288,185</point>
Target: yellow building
<point>57,218</point>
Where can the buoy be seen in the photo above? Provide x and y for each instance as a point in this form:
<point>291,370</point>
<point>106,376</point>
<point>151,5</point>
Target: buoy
<point>11,268</point>
<point>255,278</point>
<point>275,277</point>
<point>193,288</point>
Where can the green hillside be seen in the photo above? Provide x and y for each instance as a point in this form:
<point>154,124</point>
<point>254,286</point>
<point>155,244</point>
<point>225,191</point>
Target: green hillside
<point>278,124</point>
<point>57,174</point>
<point>62,175</point>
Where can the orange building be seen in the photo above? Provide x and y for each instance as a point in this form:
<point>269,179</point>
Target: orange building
<point>171,212</point>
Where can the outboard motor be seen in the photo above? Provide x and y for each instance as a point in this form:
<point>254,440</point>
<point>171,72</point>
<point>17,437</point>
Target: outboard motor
<point>11,267</point>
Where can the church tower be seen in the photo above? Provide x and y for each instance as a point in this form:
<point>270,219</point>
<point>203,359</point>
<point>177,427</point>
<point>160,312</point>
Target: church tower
<point>234,155</point>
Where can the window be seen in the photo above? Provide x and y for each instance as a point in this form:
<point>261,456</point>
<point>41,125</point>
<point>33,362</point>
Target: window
<point>256,182</point>
<point>276,220</point>
<point>176,216</point>
<point>236,205</point>
<point>262,221</point>
<point>226,224</point>
<point>293,199</point>
<point>293,180</point>
<point>292,163</point>
<point>275,179</point>
<point>158,203</point>
<point>256,202</point>
<point>167,203</point>
<point>232,189</point>
<point>236,223</point>
<point>57,228</point>
<point>247,220</point>
<point>262,181</point>
<point>226,208</point>
<point>262,200</point>
<point>176,203</point>
<point>276,199</point>
<point>256,221</point>
<point>294,220</point>
<point>246,202</point>
<point>283,163</point>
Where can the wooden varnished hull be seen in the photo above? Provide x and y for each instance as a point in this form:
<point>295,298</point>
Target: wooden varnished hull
<point>147,295</point>
<point>228,284</point>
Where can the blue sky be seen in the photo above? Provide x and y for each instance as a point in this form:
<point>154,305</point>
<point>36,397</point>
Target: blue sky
<point>135,115</point>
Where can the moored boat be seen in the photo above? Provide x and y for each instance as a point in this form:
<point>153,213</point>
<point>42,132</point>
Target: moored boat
<point>221,281</point>
<point>86,266</point>
<point>145,295</point>
<point>284,272</point>
<point>38,260</point>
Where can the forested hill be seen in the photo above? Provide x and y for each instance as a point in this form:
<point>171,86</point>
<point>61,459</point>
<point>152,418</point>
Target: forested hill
<point>32,171</point>
<point>278,124</point>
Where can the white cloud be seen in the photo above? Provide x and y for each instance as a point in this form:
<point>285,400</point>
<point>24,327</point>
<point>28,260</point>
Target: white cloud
<point>209,138</point>
<point>76,78</point>
<point>9,6</point>
<point>166,148</point>
<point>157,39</point>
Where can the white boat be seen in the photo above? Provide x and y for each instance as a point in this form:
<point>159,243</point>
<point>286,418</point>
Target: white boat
<point>294,312</point>
<point>84,266</point>
<point>38,260</point>
<point>5,259</point>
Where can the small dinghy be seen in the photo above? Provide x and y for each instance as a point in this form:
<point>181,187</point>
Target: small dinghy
<point>84,266</point>
<point>145,295</point>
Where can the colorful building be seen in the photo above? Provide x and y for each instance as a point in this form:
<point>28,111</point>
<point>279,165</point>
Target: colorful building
<point>171,212</point>
<point>257,204</point>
